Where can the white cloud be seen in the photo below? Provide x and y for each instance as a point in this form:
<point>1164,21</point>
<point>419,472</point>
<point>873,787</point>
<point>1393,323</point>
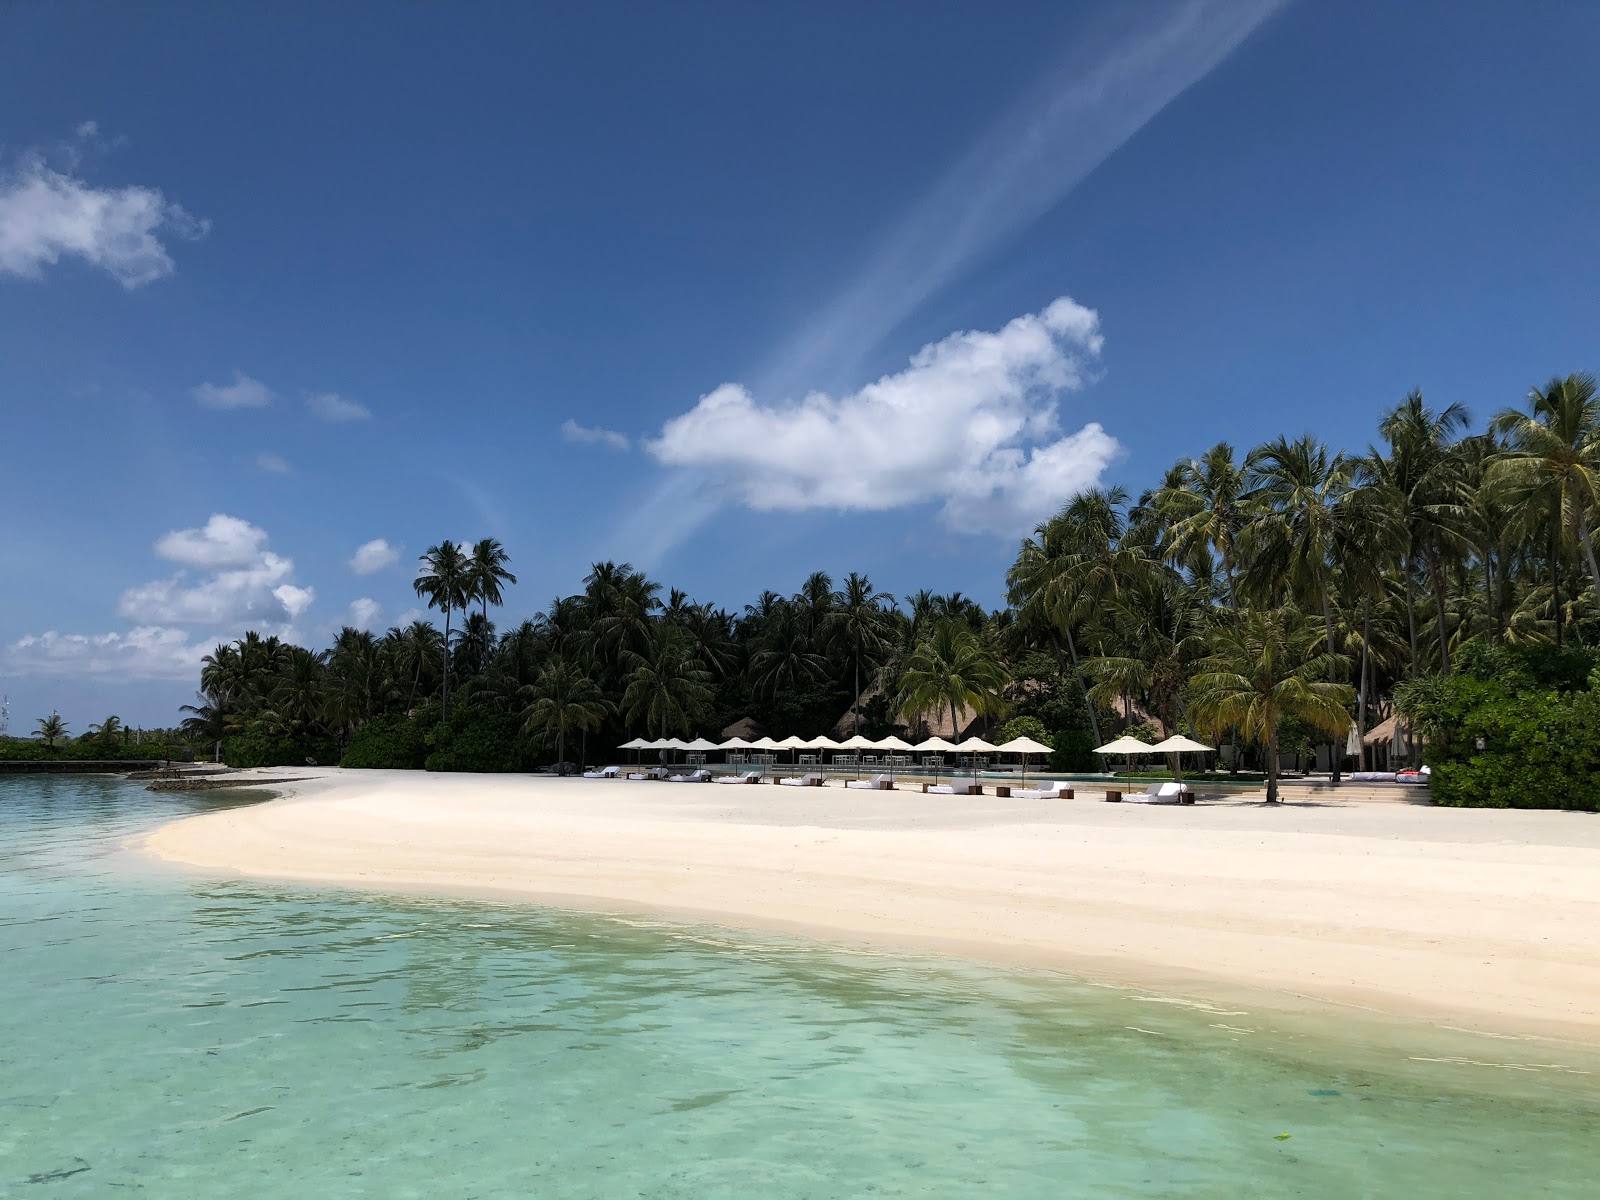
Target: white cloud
<point>295,600</point>
<point>148,652</point>
<point>223,541</point>
<point>365,613</point>
<point>972,422</point>
<point>243,392</point>
<point>230,583</point>
<point>571,431</point>
<point>273,464</point>
<point>238,595</point>
<point>330,406</point>
<point>88,129</point>
<point>372,557</point>
<point>46,215</point>
<point>410,615</point>
<point>246,583</point>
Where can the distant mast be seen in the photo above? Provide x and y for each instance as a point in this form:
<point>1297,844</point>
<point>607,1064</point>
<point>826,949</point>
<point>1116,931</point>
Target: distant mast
<point>5,714</point>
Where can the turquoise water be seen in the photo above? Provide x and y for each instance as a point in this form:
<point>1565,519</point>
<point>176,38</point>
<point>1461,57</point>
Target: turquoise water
<point>166,1036</point>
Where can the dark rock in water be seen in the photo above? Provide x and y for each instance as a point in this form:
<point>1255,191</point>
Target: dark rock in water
<point>63,1173</point>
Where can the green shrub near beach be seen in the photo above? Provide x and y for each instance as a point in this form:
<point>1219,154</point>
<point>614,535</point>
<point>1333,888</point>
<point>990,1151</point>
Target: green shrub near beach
<point>390,742</point>
<point>84,750</point>
<point>1537,712</point>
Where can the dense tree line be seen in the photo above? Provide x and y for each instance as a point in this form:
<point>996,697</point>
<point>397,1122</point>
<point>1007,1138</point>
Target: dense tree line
<point>1273,599</point>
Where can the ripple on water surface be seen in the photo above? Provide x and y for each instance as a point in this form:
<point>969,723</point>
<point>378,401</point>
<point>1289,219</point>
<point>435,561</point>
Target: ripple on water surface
<point>193,1038</point>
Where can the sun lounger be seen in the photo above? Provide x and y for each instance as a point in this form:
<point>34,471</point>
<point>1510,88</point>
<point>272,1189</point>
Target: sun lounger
<point>745,777</point>
<point>606,773</point>
<point>700,776</point>
<point>1049,791</point>
<point>812,780</point>
<point>878,783</point>
<point>1165,793</point>
<point>649,773</point>
<point>952,789</point>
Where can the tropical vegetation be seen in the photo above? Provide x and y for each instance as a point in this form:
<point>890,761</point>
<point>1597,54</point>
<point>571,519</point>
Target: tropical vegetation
<point>1281,602</point>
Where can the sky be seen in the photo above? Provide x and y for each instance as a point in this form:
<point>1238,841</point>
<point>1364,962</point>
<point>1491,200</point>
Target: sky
<point>732,292</point>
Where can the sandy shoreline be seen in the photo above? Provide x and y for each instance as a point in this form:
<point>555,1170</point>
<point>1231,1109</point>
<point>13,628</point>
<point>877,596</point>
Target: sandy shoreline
<point>1483,919</point>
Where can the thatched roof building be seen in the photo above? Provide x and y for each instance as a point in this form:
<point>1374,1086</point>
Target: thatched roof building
<point>747,728</point>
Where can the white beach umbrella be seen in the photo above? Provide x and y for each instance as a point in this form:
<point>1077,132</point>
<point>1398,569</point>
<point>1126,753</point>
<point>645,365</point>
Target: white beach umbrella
<point>701,744</point>
<point>976,746</point>
<point>858,743</point>
<point>793,743</point>
<point>891,743</point>
<point>1025,746</point>
<point>765,743</point>
<point>1175,745</point>
<point>635,744</point>
<point>934,743</point>
<point>1125,745</point>
<point>735,744</point>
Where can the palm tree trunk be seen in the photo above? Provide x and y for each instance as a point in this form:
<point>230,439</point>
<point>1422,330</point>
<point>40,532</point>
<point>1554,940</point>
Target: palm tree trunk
<point>1588,552</point>
<point>1094,723</point>
<point>1411,620</point>
<point>1490,630</point>
<point>1555,574</point>
<point>856,704</point>
<point>1335,751</point>
<point>1361,701</point>
<point>445,698</point>
<point>1436,581</point>
<point>561,750</point>
<point>1272,766</point>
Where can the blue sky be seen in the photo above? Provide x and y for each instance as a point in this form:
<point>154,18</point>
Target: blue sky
<point>279,284</point>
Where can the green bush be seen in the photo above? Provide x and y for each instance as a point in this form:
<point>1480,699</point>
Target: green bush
<point>1028,727</point>
<point>393,742</point>
<point>84,750</point>
<point>1537,713</point>
<point>1074,750</point>
<point>479,742</point>
<point>256,749</point>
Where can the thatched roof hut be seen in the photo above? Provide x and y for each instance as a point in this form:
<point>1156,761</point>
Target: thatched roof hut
<point>747,728</point>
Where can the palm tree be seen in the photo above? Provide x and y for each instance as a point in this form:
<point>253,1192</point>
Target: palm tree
<point>667,688</point>
<point>1263,667</point>
<point>51,728</point>
<point>1205,513</point>
<point>1072,565</point>
<point>858,619</point>
<point>1415,472</point>
<point>562,700</point>
<point>486,571</point>
<point>109,731</point>
<point>951,669</point>
<point>1554,451</point>
<point>445,583</point>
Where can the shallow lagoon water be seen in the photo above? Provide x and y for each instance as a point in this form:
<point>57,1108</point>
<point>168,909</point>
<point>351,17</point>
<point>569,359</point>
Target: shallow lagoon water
<point>183,1037</point>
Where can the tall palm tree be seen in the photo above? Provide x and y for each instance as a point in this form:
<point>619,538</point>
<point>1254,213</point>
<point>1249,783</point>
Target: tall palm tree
<point>50,729</point>
<point>858,618</point>
<point>1553,451</point>
<point>953,669</point>
<point>487,569</point>
<point>1264,666</point>
<point>667,688</point>
<point>1073,564</point>
<point>445,582</point>
<point>1416,472</point>
<point>1206,512</point>
<point>562,700</point>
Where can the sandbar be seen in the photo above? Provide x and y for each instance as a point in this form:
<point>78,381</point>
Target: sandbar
<point>1486,919</point>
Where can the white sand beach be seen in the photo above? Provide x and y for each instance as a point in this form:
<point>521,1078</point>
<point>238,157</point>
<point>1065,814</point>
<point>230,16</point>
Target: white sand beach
<point>1487,919</point>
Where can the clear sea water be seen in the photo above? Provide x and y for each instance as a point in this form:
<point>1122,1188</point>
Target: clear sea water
<point>163,1035</point>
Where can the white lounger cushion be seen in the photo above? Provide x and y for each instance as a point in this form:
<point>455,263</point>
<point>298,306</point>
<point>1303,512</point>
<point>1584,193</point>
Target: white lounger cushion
<point>876,783</point>
<point>699,776</point>
<point>747,777</point>
<point>944,789</point>
<point>812,780</point>
<point>1166,793</point>
<point>1049,791</point>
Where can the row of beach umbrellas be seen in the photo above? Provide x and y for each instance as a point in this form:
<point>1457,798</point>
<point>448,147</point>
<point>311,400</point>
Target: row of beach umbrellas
<point>1129,746</point>
<point>972,745</point>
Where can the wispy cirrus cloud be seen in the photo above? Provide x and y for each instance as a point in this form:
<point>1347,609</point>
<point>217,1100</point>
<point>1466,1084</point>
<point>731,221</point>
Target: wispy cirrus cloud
<point>273,464</point>
<point>584,435</point>
<point>47,214</point>
<point>330,406</point>
<point>1101,93</point>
